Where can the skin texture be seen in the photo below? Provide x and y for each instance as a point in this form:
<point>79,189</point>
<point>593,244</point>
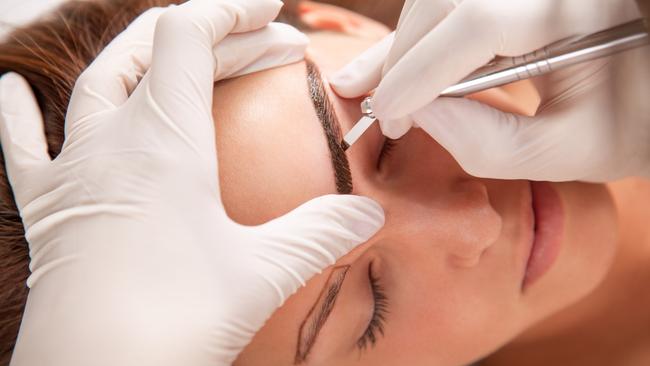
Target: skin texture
<point>611,325</point>
<point>452,255</point>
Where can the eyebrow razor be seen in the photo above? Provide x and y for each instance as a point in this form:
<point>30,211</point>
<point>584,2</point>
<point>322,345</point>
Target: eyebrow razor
<point>367,119</point>
<point>505,70</point>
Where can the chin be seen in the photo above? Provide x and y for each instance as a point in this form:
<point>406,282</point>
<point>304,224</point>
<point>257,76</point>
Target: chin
<point>587,251</point>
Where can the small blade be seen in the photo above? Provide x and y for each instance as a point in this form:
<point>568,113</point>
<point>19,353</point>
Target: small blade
<point>357,130</point>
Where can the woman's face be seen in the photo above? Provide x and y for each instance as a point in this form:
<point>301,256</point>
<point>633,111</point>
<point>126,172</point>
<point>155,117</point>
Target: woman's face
<point>448,279</point>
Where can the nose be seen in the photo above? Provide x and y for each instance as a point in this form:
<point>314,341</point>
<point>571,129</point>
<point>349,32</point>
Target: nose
<point>471,223</point>
<point>440,204</point>
<point>457,221</point>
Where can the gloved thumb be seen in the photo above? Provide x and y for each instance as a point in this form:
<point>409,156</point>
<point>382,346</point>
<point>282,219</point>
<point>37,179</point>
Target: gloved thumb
<point>364,73</point>
<point>313,236</point>
<point>21,132</point>
<point>492,144</point>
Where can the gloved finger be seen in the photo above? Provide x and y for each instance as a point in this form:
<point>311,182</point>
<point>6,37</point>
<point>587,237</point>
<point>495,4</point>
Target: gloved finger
<point>416,20</point>
<point>489,143</point>
<point>112,76</point>
<point>313,236</point>
<point>476,31</point>
<point>21,133</point>
<point>395,128</point>
<point>244,53</point>
<point>362,74</point>
<point>183,63</point>
<point>411,83</point>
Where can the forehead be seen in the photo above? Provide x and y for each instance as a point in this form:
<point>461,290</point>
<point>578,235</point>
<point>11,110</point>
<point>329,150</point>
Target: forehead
<point>271,147</point>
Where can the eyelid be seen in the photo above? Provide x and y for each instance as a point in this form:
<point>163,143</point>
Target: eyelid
<point>377,322</point>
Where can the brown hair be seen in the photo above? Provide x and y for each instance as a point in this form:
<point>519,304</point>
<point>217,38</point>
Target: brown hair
<point>51,54</point>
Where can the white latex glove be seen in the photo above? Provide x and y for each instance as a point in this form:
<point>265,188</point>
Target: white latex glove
<point>593,123</point>
<point>133,259</point>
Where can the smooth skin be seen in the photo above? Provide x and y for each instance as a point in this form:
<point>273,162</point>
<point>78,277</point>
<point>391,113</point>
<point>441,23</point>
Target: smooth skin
<point>611,325</point>
<point>450,254</point>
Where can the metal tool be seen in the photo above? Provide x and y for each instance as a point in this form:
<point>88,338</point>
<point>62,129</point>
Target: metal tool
<point>505,70</point>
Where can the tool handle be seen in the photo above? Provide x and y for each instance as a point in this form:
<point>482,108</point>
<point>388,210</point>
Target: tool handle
<point>556,56</point>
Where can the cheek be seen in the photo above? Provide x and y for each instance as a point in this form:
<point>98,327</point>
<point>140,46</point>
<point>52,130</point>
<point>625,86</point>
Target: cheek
<point>450,315</point>
<point>430,215</point>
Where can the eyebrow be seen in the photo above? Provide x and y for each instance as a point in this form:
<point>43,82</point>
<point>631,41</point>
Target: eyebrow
<point>318,314</point>
<point>331,126</point>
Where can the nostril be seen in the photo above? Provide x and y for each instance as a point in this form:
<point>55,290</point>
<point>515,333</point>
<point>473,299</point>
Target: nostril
<point>479,224</point>
<point>468,260</point>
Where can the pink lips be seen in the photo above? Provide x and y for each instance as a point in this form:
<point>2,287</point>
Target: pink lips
<point>549,222</point>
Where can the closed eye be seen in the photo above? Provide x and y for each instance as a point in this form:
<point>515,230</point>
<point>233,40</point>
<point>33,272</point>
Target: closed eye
<point>375,327</point>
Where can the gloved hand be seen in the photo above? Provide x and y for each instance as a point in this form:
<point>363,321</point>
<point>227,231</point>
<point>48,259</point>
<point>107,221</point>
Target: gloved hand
<point>133,259</point>
<point>593,123</point>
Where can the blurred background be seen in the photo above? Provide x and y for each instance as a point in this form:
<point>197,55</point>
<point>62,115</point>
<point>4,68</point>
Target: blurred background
<point>18,12</point>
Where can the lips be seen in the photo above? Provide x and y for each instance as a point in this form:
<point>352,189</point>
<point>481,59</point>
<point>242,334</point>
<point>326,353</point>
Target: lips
<point>548,227</point>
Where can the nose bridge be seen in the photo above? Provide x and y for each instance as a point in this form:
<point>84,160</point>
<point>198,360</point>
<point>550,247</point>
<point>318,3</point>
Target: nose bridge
<point>438,204</point>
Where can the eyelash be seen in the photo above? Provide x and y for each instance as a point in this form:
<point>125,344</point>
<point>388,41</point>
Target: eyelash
<point>376,324</point>
<point>386,149</point>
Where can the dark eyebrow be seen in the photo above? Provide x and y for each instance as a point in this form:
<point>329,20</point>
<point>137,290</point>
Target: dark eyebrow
<point>331,126</point>
<point>315,319</point>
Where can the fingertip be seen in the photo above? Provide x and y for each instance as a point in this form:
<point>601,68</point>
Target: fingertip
<point>17,100</point>
<point>21,131</point>
<point>272,46</point>
<point>295,34</point>
<point>366,218</point>
<point>395,128</point>
<point>345,84</point>
<point>364,73</point>
<point>10,77</point>
<point>287,35</point>
<point>373,209</point>
<point>264,13</point>
<point>10,84</point>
